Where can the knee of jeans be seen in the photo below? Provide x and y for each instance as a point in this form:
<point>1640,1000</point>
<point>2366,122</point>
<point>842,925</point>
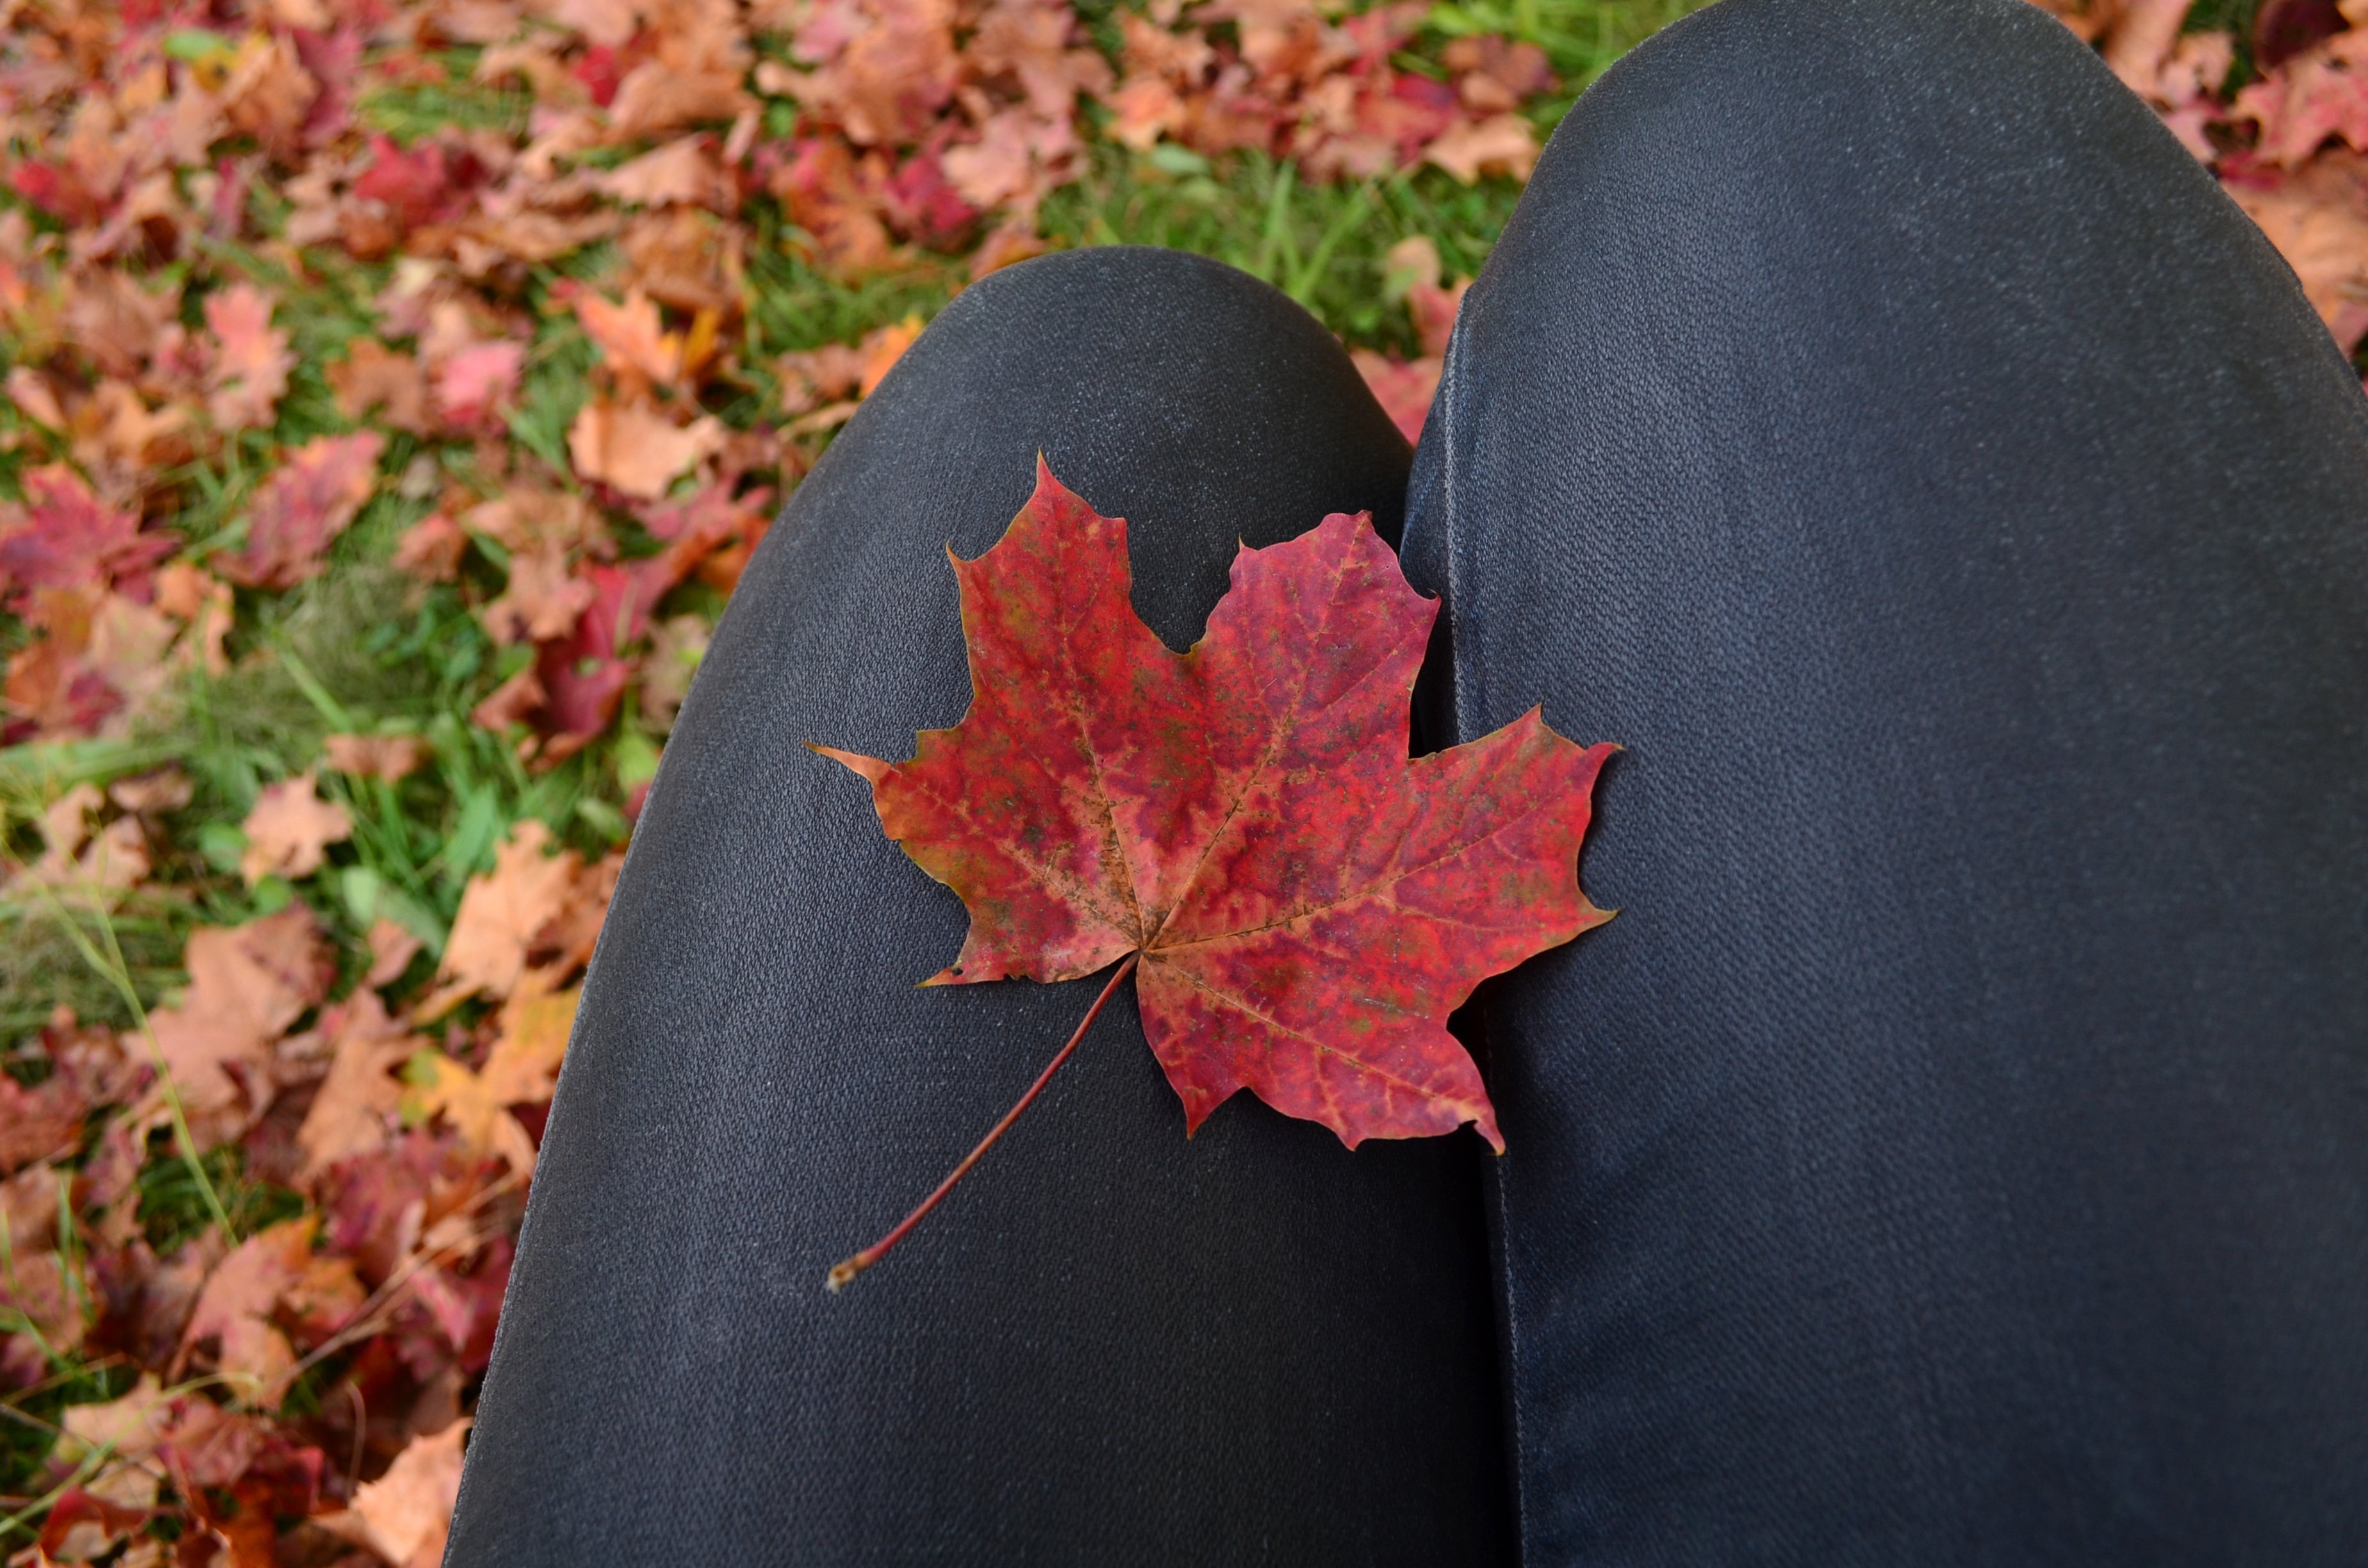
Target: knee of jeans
<point>1851,74</point>
<point>1130,299</point>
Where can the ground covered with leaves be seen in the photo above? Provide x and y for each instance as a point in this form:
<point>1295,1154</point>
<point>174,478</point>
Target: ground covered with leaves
<point>394,394</point>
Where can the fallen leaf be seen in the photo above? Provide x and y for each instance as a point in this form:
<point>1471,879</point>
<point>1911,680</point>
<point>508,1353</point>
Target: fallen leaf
<point>1308,904</point>
<point>376,757</point>
<point>432,548</point>
<point>1404,389</point>
<point>681,171</point>
<point>522,1069</point>
<point>247,984</point>
<point>635,448</point>
<point>403,1514</point>
<point>307,502</point>
<point>252,359</point>
<point>63,536</point>
<point>393,947</point>
<point>1502,145</point>
<point>372,376</point>
<point>503,912</point>
<point>2320,94</point>
<point>290,830</point>
<point>882,347</point>
<point>235,1308</point>
<point>349,1116</point>
<point>131,1427</point>
<point>473,386</point>
<point>630,336</point>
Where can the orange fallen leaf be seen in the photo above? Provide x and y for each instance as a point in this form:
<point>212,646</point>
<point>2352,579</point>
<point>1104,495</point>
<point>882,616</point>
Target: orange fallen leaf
<point>376,757</point>
<point>235,1308</point>
<point>1502,145</point>
<point>636,448</point>
<point>290,830</point>
<point>350,1115</point>
<point>882,347</point>
<point>252,359</point>
<point>503,913</point>
<point>405,1515</point>
<point>630,336</point>
<point>393,947</point>
<point>247,983</point>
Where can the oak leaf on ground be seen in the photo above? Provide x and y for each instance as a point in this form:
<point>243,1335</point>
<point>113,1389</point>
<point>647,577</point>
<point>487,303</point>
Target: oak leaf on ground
<point>1308,903</point>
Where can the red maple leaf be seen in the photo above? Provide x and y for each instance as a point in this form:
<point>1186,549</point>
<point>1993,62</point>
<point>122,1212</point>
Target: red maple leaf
<point>303,506</point>
<point>1305,902</point>
<point>68,536</point>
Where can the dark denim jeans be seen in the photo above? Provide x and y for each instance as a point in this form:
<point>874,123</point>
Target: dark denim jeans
<point>1956,1152</point>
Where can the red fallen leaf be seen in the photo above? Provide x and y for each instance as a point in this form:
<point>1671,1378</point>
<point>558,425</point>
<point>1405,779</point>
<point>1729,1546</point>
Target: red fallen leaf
<point>416,186</point>
<point>1405,391</point>
<point>53,189</point>
<point>69,537</point>
<point>1305,902</point>
<point>922,204</point>
<point>2319,94</point>
<point>475,384</point>
<point>250,361</point>
<point>306,503</point>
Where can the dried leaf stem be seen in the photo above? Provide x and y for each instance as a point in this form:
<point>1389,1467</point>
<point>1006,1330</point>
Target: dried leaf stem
<point>842,1272</point>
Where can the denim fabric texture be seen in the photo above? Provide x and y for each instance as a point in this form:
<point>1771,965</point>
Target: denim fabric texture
<point>1957,1149</point>
<point>1111,1345</point>
<point>1955,1153</point>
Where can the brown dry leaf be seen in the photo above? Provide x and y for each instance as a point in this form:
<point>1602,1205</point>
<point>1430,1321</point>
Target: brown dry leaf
<point>636,448</point>
<point>153,793</point>
<point>503,913</point>
<point>431,549</point>
<point>350,1115</point>
<point>2318,221</point>
<point>513,701</point>
<point>290,830</point>
<point>404,1515</point>
<point>372,376</point>
<point>1502,145</point>
<point>376,757</point>
<point>541,599</point>
<point>39,1123</point>
<point>683,171</point>
<point>131,1426</point>
<point>205,604</point>
<point>393,947</point>
<point>235,1307</point>
<point>247,983</point>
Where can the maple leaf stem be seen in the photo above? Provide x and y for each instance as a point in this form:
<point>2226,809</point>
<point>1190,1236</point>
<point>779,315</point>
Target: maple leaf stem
<point>845,1271</point>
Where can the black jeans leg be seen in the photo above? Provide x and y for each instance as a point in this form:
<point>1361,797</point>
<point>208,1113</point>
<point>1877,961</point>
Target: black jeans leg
<point>1111,1345</point>
<point>1957,1149</point>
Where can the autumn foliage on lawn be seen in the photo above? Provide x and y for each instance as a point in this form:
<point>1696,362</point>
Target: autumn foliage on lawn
<point>453,305</point>
<point>2290,144</point>
<point>500,328</point>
